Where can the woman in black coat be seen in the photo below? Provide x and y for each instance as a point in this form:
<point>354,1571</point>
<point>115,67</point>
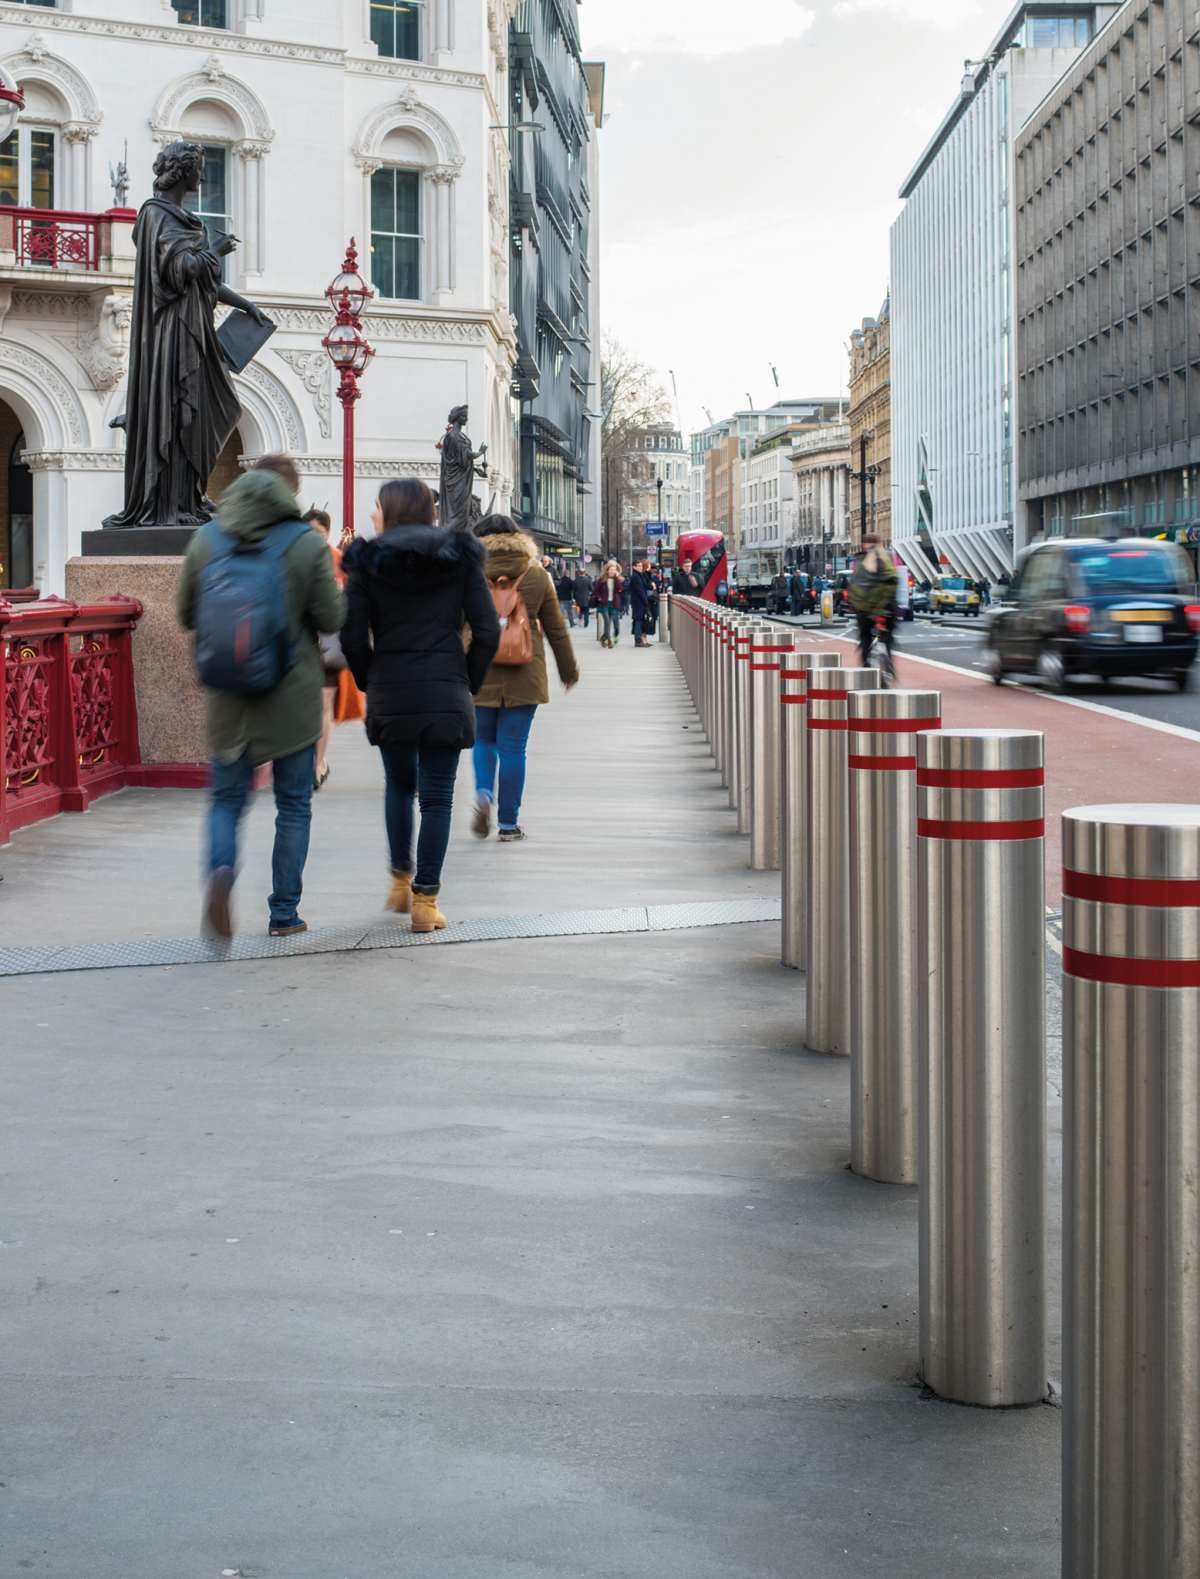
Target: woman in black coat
<point>641,595</point>
<point>409,592</point>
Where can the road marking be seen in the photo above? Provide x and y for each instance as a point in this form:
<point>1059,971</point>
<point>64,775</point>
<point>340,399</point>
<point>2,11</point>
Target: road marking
<point>1178,730</point>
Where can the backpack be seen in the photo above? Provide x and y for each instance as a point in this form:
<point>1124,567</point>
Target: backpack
<point>243,615</point>
<point>516,633</point>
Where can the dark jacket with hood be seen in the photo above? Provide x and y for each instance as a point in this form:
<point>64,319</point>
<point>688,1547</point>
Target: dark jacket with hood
<point>409,593</point>
<point>288,718</point>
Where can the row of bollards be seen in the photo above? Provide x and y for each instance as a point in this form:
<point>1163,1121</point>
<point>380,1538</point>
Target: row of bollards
<point>912,871</point>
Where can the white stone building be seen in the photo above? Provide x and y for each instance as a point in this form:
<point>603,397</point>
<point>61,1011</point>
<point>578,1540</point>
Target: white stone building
<point>820,462</point>
<point>659,457</point>
<point>768,517</point>
<point>954,424</point>
<point>378,119</point>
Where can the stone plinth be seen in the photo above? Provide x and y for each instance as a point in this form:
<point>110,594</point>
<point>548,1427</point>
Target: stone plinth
<point>170,702</point>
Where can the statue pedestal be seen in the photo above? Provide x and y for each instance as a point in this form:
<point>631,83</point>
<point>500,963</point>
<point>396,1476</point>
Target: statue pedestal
<point>170,702</point>
<point>137,542</point>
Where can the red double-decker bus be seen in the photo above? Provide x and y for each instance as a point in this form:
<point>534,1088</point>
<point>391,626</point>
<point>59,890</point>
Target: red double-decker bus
<point>710,562</point>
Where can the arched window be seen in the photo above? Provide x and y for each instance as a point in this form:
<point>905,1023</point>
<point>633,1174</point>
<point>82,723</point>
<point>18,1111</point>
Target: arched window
<point>30,156</point>
<point>230,123</point>
<point>410,160</point>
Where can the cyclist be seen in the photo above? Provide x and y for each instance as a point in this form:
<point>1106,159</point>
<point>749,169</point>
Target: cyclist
<point>872,596</point>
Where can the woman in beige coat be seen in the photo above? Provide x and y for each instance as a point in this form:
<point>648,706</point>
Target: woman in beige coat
<point>507,702</point>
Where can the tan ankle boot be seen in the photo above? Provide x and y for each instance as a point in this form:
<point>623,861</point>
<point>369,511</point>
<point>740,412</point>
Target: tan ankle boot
<point>400,897</point>
<point>426,917</point>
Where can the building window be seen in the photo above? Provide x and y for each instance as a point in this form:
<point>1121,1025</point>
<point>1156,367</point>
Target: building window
<point>1057,32</point>
<point>396,28</point>
<point>211,203</point>
<point>202,13</point>
<point>396,233</point>
<point>27,158</point>
<point>51,4</point>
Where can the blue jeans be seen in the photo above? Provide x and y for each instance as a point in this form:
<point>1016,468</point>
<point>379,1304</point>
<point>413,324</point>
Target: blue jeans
<point>427,772</point>
<point>610,622</point>
<point>501,735</point>
<point>293,782</point>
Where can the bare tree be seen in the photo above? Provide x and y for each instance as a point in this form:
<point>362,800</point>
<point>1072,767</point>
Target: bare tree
<point>632,398</point>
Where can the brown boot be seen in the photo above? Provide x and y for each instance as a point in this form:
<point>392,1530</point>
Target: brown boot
<point>426,917</point>
<point>399,898</point>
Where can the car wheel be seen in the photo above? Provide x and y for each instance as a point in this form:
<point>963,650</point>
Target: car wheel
<point>1051,670</point>
<point>994,665</point>
<point>1183,679</point>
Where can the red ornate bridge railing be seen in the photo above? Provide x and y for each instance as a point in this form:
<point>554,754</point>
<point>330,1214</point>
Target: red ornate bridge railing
<point>68,715</point>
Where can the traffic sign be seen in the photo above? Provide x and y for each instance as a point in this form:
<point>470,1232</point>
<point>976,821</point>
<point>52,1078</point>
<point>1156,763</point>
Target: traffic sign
<point>657,529</point>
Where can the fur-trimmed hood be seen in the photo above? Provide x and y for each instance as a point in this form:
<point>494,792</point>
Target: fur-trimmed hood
<point>405,554</point>
<point>509,553</point>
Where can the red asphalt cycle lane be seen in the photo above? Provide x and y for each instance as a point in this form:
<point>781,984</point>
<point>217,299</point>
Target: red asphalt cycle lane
<point>1091,757</point>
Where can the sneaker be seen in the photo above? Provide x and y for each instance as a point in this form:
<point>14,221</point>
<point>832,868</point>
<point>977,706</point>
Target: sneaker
<point>218,906</point>
<point>481,818</point>
<point>288,929</point>
<point>511,835</point>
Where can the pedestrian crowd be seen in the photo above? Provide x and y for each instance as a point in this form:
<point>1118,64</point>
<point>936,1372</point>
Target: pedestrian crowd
<point>439,638</point>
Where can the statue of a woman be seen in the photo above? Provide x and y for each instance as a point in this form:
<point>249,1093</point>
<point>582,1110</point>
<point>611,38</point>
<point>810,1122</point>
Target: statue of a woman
<point>181,405</point>
<point>457,504</point>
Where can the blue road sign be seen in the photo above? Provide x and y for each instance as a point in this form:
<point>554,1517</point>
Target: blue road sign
<point>657,529</point>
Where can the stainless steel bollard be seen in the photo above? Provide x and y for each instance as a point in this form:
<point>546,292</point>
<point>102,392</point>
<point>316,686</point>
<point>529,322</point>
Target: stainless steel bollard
<point>724,642</point>
<point>883,730</point>
<point>827,912</point>
<point>766,659</point>
<point>738,629</point>
<point>793,796</point>
<point>664,618</point>
<point>982,1064</point>
<point>749,635</point>
<point>1131,1207</point>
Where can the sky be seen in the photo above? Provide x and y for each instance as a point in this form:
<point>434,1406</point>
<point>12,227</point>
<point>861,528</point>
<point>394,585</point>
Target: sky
<point>750,165</point>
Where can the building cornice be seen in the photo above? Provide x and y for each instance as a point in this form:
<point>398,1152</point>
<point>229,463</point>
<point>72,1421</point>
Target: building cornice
<point>237,44</point>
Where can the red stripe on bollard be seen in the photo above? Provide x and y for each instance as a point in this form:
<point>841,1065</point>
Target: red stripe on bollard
<point>1120,972</point>
<point>765,667</point>
<point>828,696</point>
<point>793,701</point>
<point>980,778</point>
<point>788,648</point>
<point>827,723</point>
<point>884,764</point>
<point>1160,893</point>
<point>892,726</point>
<point>928,828</point>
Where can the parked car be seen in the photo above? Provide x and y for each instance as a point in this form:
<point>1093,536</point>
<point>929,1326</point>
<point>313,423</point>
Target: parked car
<point>920,600</point>
<point>955,595</point>
<point>1087,606</point>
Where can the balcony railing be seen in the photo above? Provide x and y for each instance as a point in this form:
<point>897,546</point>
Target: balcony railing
<point>57,238</point>
<point>68,717</point>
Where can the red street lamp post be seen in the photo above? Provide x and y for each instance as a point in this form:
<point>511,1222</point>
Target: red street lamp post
<point>349,352</point>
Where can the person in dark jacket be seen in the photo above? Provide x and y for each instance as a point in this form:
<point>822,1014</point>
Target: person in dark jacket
<point>409,592</point>
<point>583,596</point>
<point>685,582</point>
<point>641,591</point>
<point>566,597</point>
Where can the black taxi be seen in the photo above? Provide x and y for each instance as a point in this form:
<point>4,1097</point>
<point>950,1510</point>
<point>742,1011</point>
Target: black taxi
<point>1083,606</point>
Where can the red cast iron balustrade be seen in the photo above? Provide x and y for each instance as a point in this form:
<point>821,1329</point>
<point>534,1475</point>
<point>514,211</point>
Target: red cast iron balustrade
<point>51,238</point>
<point>68,716</point>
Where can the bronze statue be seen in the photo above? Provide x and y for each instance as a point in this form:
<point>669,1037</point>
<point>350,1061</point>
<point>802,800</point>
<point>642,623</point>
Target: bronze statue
<point>458,508</point>
<point>181,406</point>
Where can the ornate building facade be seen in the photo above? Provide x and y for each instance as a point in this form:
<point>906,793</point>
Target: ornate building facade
<point>821,463</point>
<point>871,428</point>
<point>386,121</point>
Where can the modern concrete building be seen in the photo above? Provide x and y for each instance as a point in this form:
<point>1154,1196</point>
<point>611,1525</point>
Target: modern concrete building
<point>953,303</point>
<point>871,427</point>
<point>820,461</point>
<point>319,123</point>
<point>1108,308</point>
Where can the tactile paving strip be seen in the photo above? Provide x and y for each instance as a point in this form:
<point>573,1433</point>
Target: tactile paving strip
<point>343,940</point>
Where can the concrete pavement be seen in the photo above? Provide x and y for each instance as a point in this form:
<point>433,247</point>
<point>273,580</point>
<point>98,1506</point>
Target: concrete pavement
<point>520,1259</point>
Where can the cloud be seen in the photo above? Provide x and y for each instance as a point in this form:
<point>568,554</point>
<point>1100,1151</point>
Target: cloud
<point>691,27</point>
<point>941,13</point>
